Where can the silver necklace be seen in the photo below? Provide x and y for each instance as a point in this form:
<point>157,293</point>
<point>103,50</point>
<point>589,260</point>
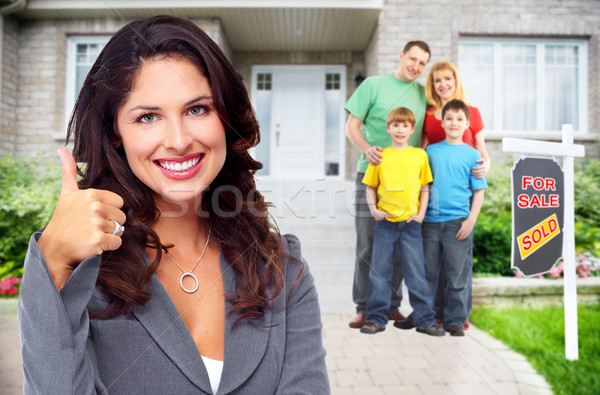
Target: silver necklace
<point>190,273</point>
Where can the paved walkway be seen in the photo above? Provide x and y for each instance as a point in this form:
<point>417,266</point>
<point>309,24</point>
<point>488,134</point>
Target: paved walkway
<point>11,373</point>
<point>407,362</point>
<point>390,362</point>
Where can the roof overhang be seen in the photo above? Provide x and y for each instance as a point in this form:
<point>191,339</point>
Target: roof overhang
<point>267,25</point>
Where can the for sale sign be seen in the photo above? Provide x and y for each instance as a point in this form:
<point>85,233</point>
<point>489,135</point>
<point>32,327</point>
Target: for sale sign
<point>538,190</point>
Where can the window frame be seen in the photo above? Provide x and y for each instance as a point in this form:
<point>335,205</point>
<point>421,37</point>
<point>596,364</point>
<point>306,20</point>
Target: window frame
<point>71,73</point>
<point>496,131</point>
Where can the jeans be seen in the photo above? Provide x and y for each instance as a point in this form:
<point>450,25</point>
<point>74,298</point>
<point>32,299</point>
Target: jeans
<point>438,303</point>
<point>407,237</point>
<point>365,225</point>
<point>444,253</point>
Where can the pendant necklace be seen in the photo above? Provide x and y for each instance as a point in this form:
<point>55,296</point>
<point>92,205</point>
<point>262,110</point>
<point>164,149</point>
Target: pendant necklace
<point>190,273</point>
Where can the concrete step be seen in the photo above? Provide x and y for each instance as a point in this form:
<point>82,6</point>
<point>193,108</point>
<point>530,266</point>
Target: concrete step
<point>308,199</point>
<point>324,255</point>
<point>321,214</point>
<point>342,236</point>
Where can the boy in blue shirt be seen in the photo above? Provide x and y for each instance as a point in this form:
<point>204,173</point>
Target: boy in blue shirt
<point>397,193</point>
<point>450,218</point>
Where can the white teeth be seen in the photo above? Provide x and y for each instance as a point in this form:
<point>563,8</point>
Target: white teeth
<point>180,166</point>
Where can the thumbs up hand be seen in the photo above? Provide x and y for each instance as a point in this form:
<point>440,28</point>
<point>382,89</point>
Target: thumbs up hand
<point>82,224</point>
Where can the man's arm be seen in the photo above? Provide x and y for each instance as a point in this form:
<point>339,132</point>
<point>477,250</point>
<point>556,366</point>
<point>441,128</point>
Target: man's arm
<point>467,226</point>
<point>356,138</point>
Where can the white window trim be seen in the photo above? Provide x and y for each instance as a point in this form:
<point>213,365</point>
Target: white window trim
<point>582,133</point>
<point>70,76</point>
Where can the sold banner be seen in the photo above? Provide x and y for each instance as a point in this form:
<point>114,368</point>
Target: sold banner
<point>538,190</point>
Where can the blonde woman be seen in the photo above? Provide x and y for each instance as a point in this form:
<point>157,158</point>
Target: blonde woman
<point>444,84</point>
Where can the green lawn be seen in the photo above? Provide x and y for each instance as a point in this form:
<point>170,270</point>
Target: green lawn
<point>538,334</point>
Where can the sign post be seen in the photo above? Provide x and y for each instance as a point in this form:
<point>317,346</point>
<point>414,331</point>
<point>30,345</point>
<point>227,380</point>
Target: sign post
<point>568,151</point>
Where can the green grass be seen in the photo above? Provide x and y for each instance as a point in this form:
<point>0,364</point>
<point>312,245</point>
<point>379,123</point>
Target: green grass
<point>538,334</point>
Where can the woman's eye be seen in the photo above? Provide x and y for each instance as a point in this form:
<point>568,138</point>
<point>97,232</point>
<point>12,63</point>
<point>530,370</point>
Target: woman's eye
<point>197,110</point>
<point>147,118</point>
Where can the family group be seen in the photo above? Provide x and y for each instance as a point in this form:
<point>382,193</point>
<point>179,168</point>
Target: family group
<point>419,189</point>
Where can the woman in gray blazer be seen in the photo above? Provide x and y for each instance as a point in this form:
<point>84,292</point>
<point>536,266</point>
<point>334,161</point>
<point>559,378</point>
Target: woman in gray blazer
<point>159,272</point>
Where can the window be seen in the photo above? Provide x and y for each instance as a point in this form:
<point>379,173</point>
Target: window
<point>333,123</point>
<point>526,85</point>
<point>262,103</point>
<point>263,82</point>
<point>332,81</point>
<point>81,55</point>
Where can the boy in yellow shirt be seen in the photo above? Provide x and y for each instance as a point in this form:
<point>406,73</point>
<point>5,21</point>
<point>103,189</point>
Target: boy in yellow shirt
<point>401,184</point>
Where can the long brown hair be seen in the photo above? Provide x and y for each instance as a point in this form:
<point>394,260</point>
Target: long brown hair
<point>248,241</point>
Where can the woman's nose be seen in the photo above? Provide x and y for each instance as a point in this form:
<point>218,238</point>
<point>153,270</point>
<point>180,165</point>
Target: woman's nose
<point>178,138</point>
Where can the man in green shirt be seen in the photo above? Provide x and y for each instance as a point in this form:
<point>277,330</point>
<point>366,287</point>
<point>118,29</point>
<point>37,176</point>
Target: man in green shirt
<point>368,108</point>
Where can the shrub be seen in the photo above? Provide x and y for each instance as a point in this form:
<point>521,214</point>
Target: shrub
<point>29,193</point>
<point>492,236</point>
<point>587,190</point>
<point>491,244</point>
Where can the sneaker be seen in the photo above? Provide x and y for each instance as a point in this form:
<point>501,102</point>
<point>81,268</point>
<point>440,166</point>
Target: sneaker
<point>371,328</point>
<point>432,330</point>
<point>455,330</point>
<point>467,325</point>
<point>406,324</point>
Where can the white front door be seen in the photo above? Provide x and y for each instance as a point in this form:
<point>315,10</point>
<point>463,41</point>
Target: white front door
<point>301,126</point>
<point>297,124</point>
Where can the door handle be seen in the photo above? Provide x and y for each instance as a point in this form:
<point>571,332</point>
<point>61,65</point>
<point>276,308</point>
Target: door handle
<point>277,135</point>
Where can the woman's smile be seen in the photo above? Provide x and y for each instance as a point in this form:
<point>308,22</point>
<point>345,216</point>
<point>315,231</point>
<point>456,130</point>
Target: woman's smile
<point>181,168</point>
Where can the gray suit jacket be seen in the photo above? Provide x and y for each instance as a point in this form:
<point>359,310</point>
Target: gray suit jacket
<point>152,351</point>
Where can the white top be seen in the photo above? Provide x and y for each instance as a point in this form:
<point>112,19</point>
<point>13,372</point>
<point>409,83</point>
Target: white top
<point>214,369</point>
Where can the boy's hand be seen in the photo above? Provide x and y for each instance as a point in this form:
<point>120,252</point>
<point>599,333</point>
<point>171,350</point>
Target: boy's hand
<point>373,155</point>
<point>419,218</point>
<point>465,229</point>
<point>380,214</point>
<point>481,170</point>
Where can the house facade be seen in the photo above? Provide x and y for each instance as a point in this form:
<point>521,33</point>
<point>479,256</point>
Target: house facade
<point>530,66</point>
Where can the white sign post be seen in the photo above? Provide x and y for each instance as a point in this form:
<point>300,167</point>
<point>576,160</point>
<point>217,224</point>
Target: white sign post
<point>568,151</point>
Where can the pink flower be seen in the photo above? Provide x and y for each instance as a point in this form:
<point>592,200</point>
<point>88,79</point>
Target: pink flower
<point>555,272</point>
<point>8,285</point>
<point>518,274</point>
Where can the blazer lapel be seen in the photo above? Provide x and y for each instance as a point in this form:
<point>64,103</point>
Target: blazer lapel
<point>245,346</point>
<point>163,322</point>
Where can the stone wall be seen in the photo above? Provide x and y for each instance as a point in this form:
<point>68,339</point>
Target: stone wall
<point>8,89</point>
<point>41,118</point>
<point>214,28</point>
<point>531,292</point>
